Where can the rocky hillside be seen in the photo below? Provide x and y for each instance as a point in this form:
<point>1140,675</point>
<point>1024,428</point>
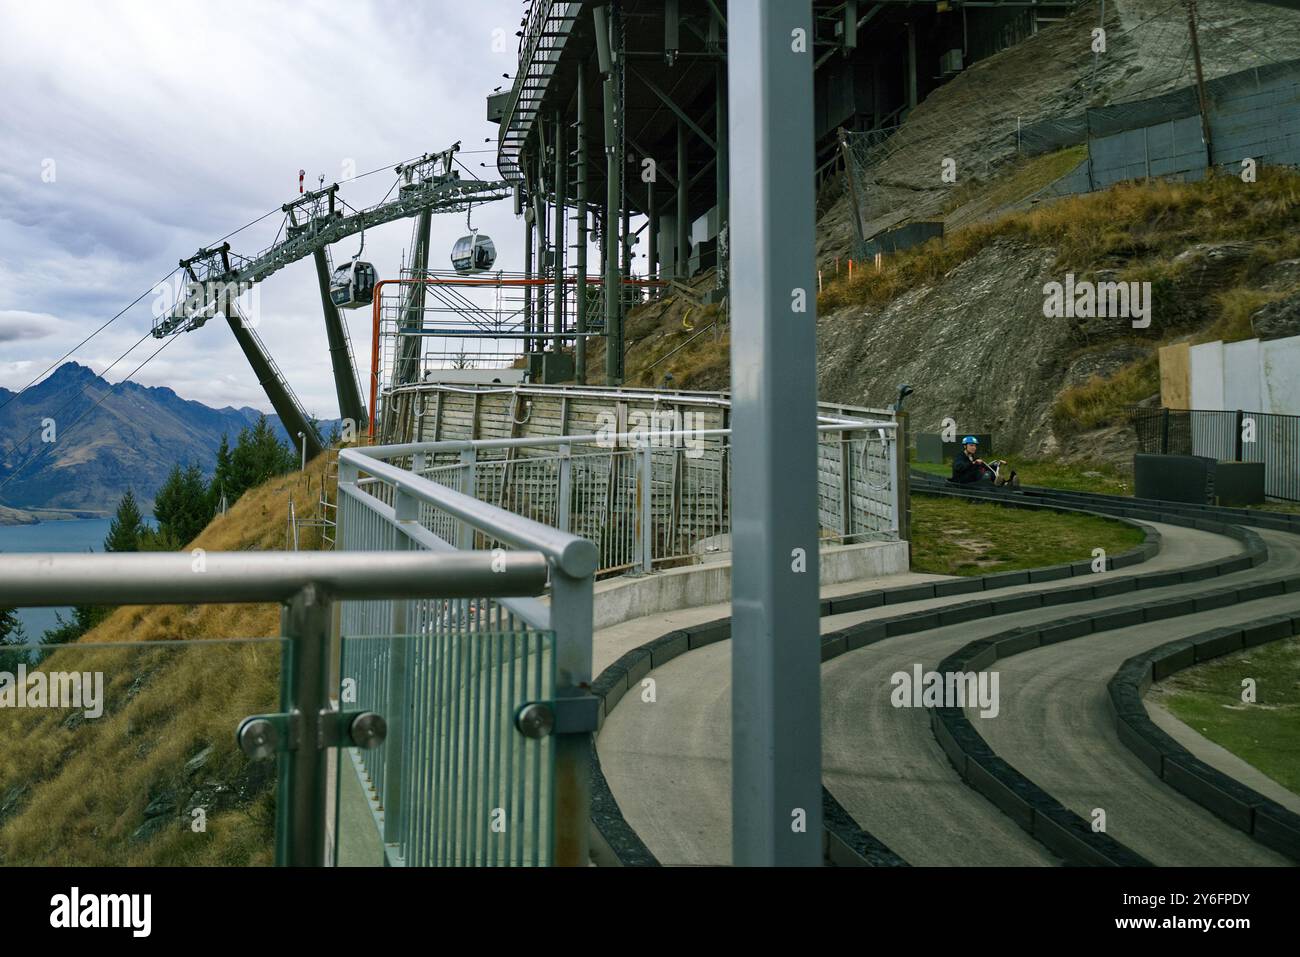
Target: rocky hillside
<point>130,436</point>
<point>962,320</point>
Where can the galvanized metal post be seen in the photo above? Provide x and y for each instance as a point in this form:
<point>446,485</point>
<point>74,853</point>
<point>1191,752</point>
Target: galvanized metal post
<point>406,508</point>
<point>410,347</point>
<point>580,346</point>
<point>468,463</point>
<point>561,202</point>
<point>565,489</point>
<point>776,686</point>
<point>613,196</point>
<point>571,621</point>
<point>528,262</point>
<point>681,264</point>
<point>644,501</point>
<point>300,825</point>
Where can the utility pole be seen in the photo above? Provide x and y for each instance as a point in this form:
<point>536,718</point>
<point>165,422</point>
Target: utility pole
<point>1200,84</point>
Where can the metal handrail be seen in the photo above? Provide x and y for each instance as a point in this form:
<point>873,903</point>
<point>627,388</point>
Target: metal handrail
<point>575,556</point>
<point>182,578</point>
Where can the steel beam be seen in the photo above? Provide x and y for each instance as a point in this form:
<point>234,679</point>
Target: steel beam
<point>346,386</point>
<point>291,413</point>
<point>580,348</point>
<point>613,206</point>
<point>775,692</point>
<point>681,263</point>
<point>561,202</point>
<point>408,362</point>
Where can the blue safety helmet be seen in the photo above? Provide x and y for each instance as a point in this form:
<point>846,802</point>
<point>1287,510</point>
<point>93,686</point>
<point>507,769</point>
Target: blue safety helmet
<point>970,440</point>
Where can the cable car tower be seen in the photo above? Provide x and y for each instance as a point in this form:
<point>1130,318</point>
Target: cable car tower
<point>314,221</point>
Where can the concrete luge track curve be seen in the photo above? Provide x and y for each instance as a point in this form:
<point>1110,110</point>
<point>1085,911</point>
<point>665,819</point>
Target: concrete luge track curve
<point>618,842</point>
<point>885,766</point>
<point>1057,692</point>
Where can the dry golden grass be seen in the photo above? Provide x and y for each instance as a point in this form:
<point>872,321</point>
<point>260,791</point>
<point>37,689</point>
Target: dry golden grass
<point>1127,222</point>
<point>74,791</point>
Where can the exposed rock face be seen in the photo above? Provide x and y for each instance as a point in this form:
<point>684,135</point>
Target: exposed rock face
<point>975,346</point>
<point>1278,320</point>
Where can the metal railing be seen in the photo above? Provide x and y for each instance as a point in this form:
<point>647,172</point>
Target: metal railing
<point>648,499</point>
<point>486,760</point>
<point>1227,436</point>
<point>307,724</point>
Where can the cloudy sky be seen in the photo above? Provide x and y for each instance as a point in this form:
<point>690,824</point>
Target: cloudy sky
<point>132,133</point>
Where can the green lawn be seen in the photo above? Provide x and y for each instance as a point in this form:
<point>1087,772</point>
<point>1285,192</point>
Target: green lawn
<point>955,537</point>
<point>1053,474</point>
<point>1267,733</point>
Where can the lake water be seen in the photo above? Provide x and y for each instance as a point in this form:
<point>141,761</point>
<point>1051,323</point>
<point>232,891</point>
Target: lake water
<point>74,535</point>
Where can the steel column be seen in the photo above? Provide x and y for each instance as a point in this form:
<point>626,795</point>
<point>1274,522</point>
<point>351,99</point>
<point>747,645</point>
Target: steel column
<point>776,688</point>
<point>580,347</point>
<point>681,268</point>
<point>411,347</point>
<point>346,386</point>
<point>528,257</point>
<point>613,204</point>
<point>292,416</point>
<point>561,199</point>
<point>722,171</point>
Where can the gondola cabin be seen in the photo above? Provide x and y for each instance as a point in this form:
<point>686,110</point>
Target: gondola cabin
<point>473,254</point>
<point>353,285</point>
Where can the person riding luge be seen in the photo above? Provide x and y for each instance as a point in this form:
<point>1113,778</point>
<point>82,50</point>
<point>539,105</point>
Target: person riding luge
<point>968,468</point>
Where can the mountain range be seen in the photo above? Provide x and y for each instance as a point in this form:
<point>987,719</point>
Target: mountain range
<point>107,437</point>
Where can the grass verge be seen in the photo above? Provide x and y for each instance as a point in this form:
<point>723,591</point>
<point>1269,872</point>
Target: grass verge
<point>1266,734</point>
<point>954,537</point>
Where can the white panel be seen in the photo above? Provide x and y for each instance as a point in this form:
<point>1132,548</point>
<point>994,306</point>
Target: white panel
<point>1279,366</point>
<point>1206,364</point>
<point>1241,388</point>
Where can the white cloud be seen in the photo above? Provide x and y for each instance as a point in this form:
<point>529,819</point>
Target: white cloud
<point>173,124</point>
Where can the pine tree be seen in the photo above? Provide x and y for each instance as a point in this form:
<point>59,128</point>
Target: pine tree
<point>181,507</point>
<point>127,527</point>
<point>11,633</point>
<point>222,475</point>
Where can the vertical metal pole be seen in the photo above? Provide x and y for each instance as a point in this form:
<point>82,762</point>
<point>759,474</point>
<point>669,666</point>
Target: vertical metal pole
<point>902,481</point>
<point>613,199</point>
<point>681,265</point>
<point>775,660</point>
<point>465,531</point>
<point>1202,100</point>
<point>528,259</point>
<point>580,346</point>
<point>566,488</point>
<point>406,508</point>
<point>305,622</point>
<point>911,66</point>
<point>571,602</point>
<point>722,183</point>
<point>652,254</point>
<point>561,200</point>
<point>410,348</point>
<point>645,515</point>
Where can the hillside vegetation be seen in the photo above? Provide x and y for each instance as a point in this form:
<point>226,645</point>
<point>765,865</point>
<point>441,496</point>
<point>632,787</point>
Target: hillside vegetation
<point>121,789</point>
